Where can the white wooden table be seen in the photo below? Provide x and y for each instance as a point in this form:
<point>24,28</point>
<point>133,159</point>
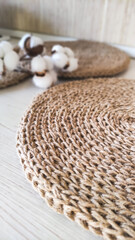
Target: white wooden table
<point>23,214</point>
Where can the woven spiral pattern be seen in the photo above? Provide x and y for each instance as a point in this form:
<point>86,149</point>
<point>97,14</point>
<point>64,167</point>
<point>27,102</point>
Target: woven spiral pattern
<point>76,143</point>
<point>95,59</point>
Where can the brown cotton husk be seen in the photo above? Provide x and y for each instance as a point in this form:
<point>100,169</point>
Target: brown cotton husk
<point>32,51</point>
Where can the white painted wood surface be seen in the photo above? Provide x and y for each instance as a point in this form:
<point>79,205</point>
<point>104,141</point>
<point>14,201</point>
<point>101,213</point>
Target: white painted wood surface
<point>23,214</point>
<point>103,20</point>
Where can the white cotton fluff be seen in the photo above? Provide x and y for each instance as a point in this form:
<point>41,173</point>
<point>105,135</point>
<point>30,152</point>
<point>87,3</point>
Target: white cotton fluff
<point>44,51</point>
<point>35,41</point>
<point>73,65</point>
<point>1,66</point>
<point>1,52</point>
<point>43,82</point>
<point>38,64</point>
<point>49,62</point>
<point>6,46</point>
<point>11,60</point>
<point>59,60</point>
<point>58,49</point>
<point>54,76</point>
<point>68,52</point>
<point>23,39</point>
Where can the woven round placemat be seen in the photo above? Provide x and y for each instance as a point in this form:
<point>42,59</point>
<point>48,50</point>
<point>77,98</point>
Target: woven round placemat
<point>76,143</point>
<point>15,77</point>
<point>12,78</point>
<point>95,59</point>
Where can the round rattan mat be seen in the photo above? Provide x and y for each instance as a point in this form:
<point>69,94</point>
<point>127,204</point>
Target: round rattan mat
<point>15,77</point>
<point>95,59</point>
<point>76,143</point>
<point>12,78</point>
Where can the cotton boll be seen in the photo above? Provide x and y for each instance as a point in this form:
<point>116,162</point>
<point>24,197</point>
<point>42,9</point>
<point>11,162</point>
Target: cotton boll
<point>59,60</point>
<point>49,62</point>
<point>1,52</point>
<point>43,82</point>
<point>73,65</point>
<point>23,39</point>
<point>68,52</point>
<point>35,41</point>
<point>11,60</point>
<point>57,49</point>
<point>32,45</point>
<point>38,64</point>
<point>6,46</point>
<point>54,76</point>
<point>1,66</point>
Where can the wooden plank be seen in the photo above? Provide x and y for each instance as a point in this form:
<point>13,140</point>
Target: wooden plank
<point>105,20</point>
<point>77,18</point>
<point>116,11</point>
<point>128,28</point>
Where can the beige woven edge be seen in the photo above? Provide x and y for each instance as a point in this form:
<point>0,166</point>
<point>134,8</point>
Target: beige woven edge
<point>114,73</point>
<point>78,74</point>
<point>12,78</point>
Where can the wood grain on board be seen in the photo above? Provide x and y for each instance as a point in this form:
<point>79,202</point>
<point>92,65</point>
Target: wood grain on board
<point>102,20</point>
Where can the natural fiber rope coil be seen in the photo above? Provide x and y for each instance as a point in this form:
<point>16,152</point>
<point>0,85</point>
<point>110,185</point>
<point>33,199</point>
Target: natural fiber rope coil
<point>76,143</point>
<point>95,59</point>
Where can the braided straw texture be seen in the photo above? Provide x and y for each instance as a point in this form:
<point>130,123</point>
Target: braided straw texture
<point>13,77</point>
<point>95,59</point>
<point>76,143</point>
